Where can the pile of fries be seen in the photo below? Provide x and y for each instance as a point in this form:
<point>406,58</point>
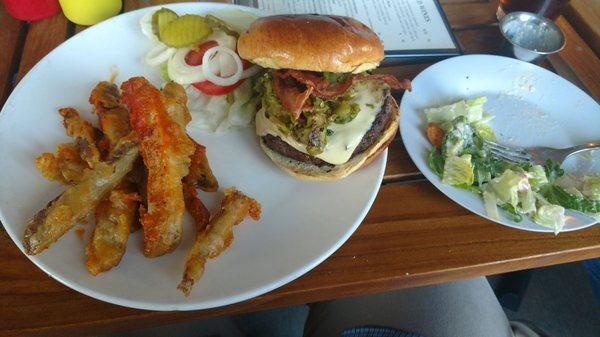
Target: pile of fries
<point>138,168</point>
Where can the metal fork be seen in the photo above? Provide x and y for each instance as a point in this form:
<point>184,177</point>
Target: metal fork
<point>537,155</point>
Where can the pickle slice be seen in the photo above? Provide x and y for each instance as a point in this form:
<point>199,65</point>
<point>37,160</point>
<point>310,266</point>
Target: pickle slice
<point>216,23</point>
<point>161,18</point>
<point>184,31</point>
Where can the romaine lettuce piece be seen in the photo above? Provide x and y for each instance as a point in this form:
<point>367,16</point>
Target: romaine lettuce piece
<point>591,187</point>
<point>551,216</point>
<point>491,205</point>
<point>458,170</point>
<point>537,176</point>
<point>436,161</point>
<point>527,200</point>
<point>484,131</point>
<point>472,109</point>
<point>507,186</point>
<point>457,138</point>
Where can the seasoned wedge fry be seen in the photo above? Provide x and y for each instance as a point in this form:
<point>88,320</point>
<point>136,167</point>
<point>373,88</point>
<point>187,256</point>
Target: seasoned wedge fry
<point>114,217</point>
<point>66,166</point>
<point>114,123</point>
<point>79,200</point>
<point>84,135</point>
<point>195,206</point>
<point>113,117</point>
<point>200,174</point>
<point>166,150</point>
<point>218,236</point>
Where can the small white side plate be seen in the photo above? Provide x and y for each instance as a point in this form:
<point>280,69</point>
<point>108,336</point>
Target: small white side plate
<point>532,107</point>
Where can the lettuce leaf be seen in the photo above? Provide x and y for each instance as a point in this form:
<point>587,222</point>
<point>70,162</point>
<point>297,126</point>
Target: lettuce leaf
<point>436,161</point>
<point>591,187</point>
<point>472,109</point>
<point>507,186</point>
<point>551,216</point>
<point>537,176</point>
<point>557,195</point>
<point>458,170</point>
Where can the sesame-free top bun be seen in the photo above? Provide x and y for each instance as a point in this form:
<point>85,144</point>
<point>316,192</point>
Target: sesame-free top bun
<point>319,43</point>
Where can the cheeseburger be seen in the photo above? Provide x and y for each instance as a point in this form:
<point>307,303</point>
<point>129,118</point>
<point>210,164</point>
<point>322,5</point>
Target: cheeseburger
<point>322,115</point>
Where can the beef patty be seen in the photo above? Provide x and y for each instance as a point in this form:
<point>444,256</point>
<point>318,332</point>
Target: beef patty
<point>383,118</point>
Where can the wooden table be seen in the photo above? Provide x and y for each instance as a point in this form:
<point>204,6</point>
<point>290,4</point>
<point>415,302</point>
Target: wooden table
<point>412,236</point>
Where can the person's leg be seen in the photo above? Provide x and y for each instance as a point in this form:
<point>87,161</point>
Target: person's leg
<point>463,309</point>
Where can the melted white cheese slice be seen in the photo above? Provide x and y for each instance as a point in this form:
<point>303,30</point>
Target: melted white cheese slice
<point>346,137</point>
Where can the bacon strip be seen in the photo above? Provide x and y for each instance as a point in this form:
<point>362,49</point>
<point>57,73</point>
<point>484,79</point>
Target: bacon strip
<point>291,97</point>
<point>325,90</point>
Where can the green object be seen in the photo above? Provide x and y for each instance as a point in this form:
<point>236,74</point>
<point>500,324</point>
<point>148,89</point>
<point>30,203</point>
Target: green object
<point>335,77</point>
<point>557,195</point>
<point>458,170</point>
<point>217,24</point>
<point>457,138</point>
<point>527,201</point>
<point>311,127</point>
<point>186,30</point>
<point>161,18</point>
<point>345,112</point>
<point>484,131</point>
<point>472,109</point>
<point>436,161</point>
<point>537,177</point>
<point>591,187</point>
<point>512,212</point>
<point>551,216</point>
<point>164,72</point>
<point>506,187</point>
<point>490,202</point>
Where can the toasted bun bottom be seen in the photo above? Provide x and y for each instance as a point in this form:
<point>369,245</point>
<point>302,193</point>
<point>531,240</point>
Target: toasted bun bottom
<point>307,171</point>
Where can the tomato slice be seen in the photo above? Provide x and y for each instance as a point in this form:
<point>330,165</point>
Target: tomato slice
<point>210,88</point>
<point>194,58</point>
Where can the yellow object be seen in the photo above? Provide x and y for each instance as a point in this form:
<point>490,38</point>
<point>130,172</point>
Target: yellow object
<point>89,12</point>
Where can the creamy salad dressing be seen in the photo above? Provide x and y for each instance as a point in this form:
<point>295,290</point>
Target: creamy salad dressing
<point>346,137</point>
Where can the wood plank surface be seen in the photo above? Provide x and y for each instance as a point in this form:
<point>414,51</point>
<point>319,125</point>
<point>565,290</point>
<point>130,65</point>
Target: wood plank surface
<point>584,15</point>
<point>412,236</point>
<point>579,58</point>
<point>11,40</point>
<point>42,37</point>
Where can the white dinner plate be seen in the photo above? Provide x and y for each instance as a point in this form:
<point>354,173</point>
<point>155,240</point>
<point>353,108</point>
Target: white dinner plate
<point>302,222</point>
<point>532,107</point>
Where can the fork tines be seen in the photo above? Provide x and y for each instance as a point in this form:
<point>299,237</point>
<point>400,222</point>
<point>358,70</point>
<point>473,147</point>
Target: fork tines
<point>511,153</point>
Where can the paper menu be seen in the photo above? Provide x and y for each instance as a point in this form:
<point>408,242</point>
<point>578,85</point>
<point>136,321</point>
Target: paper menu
<point>402,25</point>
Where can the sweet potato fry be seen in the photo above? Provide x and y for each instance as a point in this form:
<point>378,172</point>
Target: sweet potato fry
<point>166,150</point>
<point>114,217</point>
<point>78,200</point>
<point>66,166</point>
<point>435,134</point>
<point>83,134</point>
<point>218,236</point>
